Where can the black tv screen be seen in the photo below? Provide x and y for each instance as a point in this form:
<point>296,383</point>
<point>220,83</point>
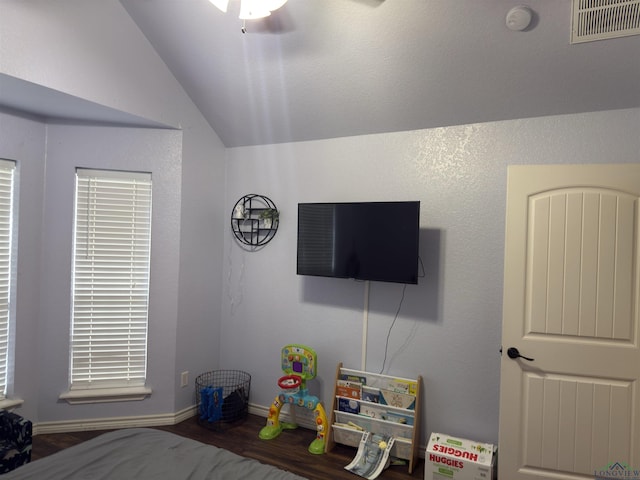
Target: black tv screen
<point>363,240</point>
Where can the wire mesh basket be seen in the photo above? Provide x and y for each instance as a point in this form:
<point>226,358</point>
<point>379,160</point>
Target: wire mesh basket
<point>222,397</point>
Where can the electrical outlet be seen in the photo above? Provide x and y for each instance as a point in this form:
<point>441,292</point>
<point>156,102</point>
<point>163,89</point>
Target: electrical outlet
<point>184,379</point>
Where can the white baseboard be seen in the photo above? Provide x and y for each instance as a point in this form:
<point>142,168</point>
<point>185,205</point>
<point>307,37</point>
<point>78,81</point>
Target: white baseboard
<point>259,410</point>
<point>114,422</point>
<point>302,418</point>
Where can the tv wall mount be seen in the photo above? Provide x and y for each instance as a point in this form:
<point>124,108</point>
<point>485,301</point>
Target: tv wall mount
<point>254,220</point>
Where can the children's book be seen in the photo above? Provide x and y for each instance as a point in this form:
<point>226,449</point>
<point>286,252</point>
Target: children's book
<point>381,413</point>
<point>353,378</point>
<point>372,456</point>
<point>349,389</point>
<point>348,405</point>
<point>397,385</point>
<point>396,399</point>
<point>370,395</point>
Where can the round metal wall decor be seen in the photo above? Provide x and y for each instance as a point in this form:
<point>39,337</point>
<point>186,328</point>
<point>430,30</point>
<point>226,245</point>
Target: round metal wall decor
<point>254,220</point>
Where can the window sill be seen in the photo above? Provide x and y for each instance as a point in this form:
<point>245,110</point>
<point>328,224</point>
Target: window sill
<point>103,395</point>
<point>9,403</point>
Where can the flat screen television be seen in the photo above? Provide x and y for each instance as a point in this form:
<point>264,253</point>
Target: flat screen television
<point>362,240</point>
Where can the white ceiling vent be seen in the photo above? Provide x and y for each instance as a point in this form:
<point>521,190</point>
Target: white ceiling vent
<point>601,19</point>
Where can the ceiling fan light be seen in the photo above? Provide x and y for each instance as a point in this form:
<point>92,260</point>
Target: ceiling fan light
<point>221,4</point>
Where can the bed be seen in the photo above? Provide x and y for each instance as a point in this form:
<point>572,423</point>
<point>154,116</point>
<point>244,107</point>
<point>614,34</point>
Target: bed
<point>146,454</point>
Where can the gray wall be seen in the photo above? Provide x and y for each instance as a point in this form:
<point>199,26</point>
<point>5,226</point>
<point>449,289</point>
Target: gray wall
<point>24,139</point>
<point>70,47</point>
<point>145,150</point>
<point>449,327</point>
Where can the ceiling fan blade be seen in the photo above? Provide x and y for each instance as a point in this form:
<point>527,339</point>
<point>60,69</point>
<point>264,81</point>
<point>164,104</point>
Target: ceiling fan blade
<point>221,4</point>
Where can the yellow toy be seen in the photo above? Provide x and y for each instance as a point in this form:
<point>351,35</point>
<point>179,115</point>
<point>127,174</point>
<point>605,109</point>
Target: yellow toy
<point>299,365</point>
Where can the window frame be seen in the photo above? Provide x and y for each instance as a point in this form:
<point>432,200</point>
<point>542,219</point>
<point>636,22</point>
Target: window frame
<point>106,188</point>
<point>8,257</point>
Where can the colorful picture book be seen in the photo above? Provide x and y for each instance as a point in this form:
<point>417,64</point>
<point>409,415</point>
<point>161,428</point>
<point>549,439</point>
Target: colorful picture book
<point>397,385</point>
<point>349,389</point>
<point>370,395</point>
<point>354,378</point>
<point>396,399</point>
<point>381,413</point>
<point>348,405</point>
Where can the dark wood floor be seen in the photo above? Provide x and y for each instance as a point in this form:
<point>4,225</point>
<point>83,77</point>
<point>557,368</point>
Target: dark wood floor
<point>288,451</point>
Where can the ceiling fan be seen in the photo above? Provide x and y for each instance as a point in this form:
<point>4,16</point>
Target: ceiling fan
<point>256,9</point>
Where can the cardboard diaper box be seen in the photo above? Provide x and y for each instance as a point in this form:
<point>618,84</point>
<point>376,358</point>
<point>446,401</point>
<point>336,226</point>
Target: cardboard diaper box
<point>454,458</point>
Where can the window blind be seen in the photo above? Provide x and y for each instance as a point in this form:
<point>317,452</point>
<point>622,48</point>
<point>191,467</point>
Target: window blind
<point>7,170</point>
<point>110,279</point>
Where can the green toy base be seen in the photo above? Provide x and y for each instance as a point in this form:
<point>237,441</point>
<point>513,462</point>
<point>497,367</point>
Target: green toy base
<point>270,432</point>
<point>317,447</point>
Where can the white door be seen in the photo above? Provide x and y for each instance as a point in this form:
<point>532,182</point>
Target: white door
<point>571,303</point>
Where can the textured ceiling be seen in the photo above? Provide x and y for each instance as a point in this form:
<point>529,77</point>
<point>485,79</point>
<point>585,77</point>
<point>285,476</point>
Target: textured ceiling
<point>330,68</point>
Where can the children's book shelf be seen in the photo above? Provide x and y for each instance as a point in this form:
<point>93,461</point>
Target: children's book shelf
<point>365,401</point>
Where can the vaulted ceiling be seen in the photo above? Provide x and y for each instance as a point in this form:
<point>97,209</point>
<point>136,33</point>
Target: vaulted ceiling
<point>320,69</point>
<point>329,68</point>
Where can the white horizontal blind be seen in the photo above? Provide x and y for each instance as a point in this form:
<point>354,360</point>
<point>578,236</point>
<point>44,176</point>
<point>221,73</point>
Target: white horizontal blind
<point>111,279</point>
<point>7,169</point>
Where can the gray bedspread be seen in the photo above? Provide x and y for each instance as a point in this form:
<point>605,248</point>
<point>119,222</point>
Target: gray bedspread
<point>146,454</point>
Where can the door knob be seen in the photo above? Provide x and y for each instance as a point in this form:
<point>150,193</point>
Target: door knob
<point>513,352</point>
